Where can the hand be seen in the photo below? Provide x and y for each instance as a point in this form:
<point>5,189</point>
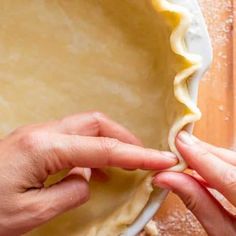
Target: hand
<point>216,168</point>
<point>30,154</point>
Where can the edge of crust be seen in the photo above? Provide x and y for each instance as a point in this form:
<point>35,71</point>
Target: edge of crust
<point>183,77</point>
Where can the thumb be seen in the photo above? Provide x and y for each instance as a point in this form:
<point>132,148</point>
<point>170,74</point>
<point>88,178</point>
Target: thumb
<point>213,217</point>
<point>69,193</point>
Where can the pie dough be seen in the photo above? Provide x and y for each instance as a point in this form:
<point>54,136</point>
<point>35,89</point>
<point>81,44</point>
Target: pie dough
<point>124,58</point>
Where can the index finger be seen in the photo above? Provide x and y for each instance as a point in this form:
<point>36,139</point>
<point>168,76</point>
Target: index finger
<point>219,174</point>
<point>98,152</point>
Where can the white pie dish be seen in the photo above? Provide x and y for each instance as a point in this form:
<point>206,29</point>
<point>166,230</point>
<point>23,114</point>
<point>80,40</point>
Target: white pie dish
<point>198,42</point>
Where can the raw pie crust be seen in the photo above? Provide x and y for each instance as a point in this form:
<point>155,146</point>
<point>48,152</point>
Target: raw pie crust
<point>125,58</point>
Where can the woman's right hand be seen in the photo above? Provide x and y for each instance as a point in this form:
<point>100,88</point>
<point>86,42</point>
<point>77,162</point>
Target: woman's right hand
<point>32,153</point>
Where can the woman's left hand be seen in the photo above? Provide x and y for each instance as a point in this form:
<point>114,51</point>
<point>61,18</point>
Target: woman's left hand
<point>216,168</point>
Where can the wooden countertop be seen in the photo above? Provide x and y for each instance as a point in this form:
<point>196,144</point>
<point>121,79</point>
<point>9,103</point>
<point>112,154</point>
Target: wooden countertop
<point>217,101</point>
<point>217,90</point>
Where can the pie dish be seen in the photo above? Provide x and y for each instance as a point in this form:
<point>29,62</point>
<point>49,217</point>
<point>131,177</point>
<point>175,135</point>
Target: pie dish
<point>125,58</point>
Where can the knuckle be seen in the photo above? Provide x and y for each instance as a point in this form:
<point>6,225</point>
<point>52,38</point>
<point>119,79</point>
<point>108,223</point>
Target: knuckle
<point>27,141</point>
<point>97,115</point>
<point>31,141</point>
<point>229,179</point>
<point>145,163</point>
<point>108,145</point>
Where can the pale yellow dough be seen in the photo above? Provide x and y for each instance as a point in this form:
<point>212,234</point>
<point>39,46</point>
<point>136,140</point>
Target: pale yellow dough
<point>60,57</point>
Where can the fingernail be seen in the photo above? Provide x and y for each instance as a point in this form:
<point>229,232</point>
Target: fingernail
<point>195,139</point>
<point>169,155</point>
<point>87,173</point>
<point>157,183</point>
<point>185,138</point>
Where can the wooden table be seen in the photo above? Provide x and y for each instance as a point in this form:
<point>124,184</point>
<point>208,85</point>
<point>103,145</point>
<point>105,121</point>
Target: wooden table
<point>218,88</point>
<point>217,100</point>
